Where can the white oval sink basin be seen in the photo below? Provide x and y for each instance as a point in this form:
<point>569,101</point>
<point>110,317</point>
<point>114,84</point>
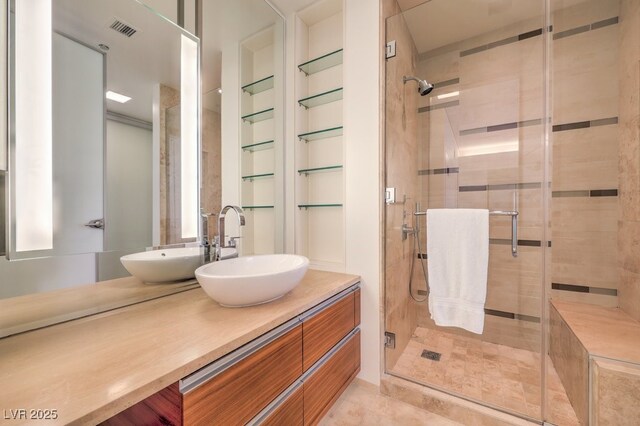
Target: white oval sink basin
<point>168,265</point>
<point>252,280</point>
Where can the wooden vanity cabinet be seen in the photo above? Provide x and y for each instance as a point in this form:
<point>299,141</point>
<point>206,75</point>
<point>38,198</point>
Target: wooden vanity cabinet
<point>291,375</point>
<point>290,411</point>
<point>237,393</point>
<point>325,384</point>
<point>325,325</point>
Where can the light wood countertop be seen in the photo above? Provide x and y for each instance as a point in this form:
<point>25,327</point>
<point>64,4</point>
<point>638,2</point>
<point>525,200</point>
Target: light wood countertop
<point>605,332</point>
<point>92,368</point>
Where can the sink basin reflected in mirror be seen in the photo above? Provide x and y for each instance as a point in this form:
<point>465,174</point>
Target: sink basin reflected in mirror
<point>168,265</point>
<point>252,280</point>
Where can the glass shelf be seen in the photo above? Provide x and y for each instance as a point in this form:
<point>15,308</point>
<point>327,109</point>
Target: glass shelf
<point>256,207</point>
<point>258,146</point>
<point>321,134</point>
<point>252,177</point>
<point>318,169</point>
<point>258,116</point>
<point>322,98</point>
<point>310,206</point>
<point>321,63</point>
<point>259,86</point>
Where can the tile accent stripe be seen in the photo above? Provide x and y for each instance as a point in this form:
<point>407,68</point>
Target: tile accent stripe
<point>521,243</point>
<point>444,171</point>
<point>585,28</point>
<point>504,186</point>
<point>584,289</point>
<point>534,33</point>
<point>438,106</point>
<point>496,313</point>
<point>585,193</point>
<point>444,83</point>
<point>536,122</point>
<point>584,124</point>
<point>501,241</point>
<point>502,42</point>
<point>499,127</point>
<point>511,315</point>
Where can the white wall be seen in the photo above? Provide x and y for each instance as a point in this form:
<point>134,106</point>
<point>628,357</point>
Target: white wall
<point>362,172</point>
<point>230,125</point>
<point>167,8</point>
<point>128,209</point>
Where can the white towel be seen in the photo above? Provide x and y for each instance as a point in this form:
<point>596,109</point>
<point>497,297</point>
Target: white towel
<point>458,253</point>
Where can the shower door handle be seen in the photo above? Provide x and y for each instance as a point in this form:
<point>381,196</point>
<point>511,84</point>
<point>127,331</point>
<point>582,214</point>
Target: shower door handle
<point>514,227</point>
<point>514,234</point>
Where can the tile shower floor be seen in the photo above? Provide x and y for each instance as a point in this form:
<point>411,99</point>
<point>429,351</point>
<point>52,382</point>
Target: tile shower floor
<point>497,374</point>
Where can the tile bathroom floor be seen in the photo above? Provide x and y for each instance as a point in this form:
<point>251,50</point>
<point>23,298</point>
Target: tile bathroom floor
<point>362,404</point>
<point>497,374</point>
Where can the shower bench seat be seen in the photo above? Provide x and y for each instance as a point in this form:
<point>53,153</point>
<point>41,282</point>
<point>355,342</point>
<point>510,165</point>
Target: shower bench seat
<point>597,349</point>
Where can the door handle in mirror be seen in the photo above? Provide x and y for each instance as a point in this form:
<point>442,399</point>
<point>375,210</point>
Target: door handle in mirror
<point>95,223</point>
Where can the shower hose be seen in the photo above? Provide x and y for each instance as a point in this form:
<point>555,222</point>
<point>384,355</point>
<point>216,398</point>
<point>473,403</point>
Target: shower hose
<point>416,241</point>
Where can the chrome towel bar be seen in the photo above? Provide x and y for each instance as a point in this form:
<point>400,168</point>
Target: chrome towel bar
<point>514,226</point>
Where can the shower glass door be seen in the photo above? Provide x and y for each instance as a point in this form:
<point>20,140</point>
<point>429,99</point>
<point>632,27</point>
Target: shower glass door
<point>476,141</point>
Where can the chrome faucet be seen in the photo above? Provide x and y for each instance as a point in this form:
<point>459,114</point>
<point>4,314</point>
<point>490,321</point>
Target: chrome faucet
<point>205,244</point>
<point>220,240</point>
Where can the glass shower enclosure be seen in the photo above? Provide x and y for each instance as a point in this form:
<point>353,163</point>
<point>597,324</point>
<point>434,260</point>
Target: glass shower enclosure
<point>496,133</point>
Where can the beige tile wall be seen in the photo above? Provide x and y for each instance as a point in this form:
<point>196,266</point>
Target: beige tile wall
<point>629,162</point>
<point>505,85</point>
<point>585,247</point>
<point>497,86</point>
<point>211,189</point>
<point>169,98</point>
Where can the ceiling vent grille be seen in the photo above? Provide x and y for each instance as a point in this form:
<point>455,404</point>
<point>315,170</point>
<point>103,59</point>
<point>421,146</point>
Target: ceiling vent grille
<point>123,28</point>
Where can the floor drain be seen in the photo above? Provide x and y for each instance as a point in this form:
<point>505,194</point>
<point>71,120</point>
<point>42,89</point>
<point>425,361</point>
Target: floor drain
<point>433,356</point>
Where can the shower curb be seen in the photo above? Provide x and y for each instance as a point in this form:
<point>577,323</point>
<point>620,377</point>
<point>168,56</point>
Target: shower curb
<point>445,405</point>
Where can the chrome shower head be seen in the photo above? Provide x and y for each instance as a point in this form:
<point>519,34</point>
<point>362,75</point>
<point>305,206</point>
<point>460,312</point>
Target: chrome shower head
<point>424,87</point>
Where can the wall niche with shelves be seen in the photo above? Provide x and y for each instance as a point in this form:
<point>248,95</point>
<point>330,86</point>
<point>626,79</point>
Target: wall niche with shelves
<point>319,149</point>
<point>260,171</point>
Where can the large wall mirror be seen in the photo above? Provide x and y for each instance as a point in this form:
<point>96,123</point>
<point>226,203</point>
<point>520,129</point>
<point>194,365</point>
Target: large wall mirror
<point>123,127</point>
<point>243,114</point>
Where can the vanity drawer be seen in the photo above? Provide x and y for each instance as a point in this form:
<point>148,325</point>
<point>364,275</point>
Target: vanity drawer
<point>235,394</point>
<point>323,386</point>
<point>289,411</point>
<point>326,325</point>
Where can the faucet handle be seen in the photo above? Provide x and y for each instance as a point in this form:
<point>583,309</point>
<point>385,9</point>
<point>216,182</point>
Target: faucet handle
<point>233,241</point>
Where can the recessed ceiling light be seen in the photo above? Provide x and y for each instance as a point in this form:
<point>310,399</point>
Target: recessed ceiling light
<point>117,97</point>
<point>219,90</point>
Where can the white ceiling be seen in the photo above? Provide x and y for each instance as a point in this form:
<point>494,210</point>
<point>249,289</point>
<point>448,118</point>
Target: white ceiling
<point>227,21</point>
<point>152,55</point>
<point>437,23</point>
<point>134,65</point>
